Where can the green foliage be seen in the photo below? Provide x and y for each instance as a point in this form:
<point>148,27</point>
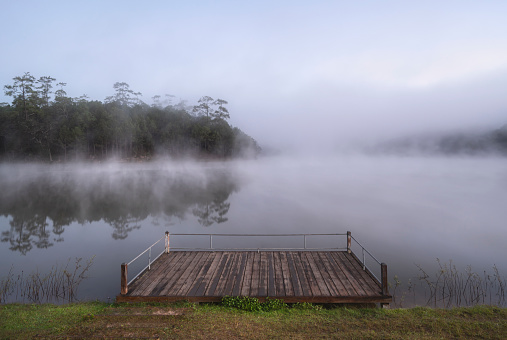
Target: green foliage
<point>242,302</point>
<point>253,304</point>
<point>273,304</point>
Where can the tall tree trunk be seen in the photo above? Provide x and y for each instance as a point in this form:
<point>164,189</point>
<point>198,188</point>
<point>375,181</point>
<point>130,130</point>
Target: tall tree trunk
<point>50,156</point>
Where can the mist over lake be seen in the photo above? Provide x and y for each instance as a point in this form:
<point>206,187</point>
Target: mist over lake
<point>406,211</point>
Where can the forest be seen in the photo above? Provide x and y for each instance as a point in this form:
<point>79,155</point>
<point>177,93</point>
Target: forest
<point>42,123</point>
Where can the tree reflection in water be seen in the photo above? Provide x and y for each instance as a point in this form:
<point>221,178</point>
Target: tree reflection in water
<point>37,198</point>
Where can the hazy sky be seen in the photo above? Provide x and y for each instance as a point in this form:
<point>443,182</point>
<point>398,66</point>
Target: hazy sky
<point>316,72</point>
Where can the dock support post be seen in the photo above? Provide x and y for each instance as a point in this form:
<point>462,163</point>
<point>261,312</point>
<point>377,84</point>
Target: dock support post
<point>167,242</point>
<point>349,242</point>
<point>124,279</point>
<point>384,283</point>
<point>383,278</point>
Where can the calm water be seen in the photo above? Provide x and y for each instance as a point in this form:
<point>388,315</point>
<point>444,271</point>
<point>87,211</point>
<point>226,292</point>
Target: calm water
<point>406,211</point>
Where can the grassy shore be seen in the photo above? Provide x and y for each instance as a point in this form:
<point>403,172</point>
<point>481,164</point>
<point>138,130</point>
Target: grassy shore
<point>183,320</point>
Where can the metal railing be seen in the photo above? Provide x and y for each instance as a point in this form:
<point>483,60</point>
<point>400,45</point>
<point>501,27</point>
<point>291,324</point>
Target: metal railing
<point>148,250</point>
<point>365,252</point>
<point>383,267</point>
<point>303,236</point>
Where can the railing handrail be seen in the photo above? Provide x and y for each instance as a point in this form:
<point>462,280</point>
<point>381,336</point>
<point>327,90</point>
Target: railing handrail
<point>366,250</point>
<point>213,234</point>
<point>210,235</point>
<point>258,249</point>
<point>149,248</point>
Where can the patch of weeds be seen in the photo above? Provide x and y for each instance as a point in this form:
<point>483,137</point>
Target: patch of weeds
<point>242,302</point>
<point>88,317</point>
<point>306,306</point>
<point>251,304</point>
<point>273,304</point>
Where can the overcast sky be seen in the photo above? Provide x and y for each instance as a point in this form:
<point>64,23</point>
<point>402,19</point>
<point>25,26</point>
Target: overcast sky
<point>294,72</point>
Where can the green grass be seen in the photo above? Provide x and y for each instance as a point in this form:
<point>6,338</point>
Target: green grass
<point>213,321</point>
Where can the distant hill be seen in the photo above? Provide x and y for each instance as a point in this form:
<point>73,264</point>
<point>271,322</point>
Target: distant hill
<point>456,143</point>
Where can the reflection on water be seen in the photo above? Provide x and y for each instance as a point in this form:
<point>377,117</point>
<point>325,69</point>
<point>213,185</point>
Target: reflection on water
<point>42,201</point>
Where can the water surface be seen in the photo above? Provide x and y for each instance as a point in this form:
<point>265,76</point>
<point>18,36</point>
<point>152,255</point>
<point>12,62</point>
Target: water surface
<point>406,211</point>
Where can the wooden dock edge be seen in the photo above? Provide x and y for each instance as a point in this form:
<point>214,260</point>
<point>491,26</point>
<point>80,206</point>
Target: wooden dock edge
<point>288,299</point>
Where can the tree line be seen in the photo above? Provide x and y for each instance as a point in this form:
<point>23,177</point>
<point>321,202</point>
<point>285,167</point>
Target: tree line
<point>492,142</point>
<point>43,123</point>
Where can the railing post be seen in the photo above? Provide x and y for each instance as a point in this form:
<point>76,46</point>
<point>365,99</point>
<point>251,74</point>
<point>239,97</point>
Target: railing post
<point>167,242</point>
<point>383,279</point>
<point>349,242</point>
<point>124,279</point>
<point>364,261</point>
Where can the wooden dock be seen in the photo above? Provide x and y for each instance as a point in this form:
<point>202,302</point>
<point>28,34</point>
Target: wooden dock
<point>293,276</point>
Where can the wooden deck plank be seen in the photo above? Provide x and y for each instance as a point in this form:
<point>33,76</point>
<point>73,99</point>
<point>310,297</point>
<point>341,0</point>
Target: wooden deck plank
<point>247,276</point>
<point>294,276</point>
<point>356,268</point>
<point>279,286</point>
<point>186,270</point>
<point>166,279</point>
<point>351,275</point>
<point>357,273</point>
<point>287,283</point>
<point>236,290</point>
<point>372,283</point>
<point>326,275</point>
<point>232,275</point>
<point>217,274</point>
<point>202,274</point>
<point>341,274</point>
<point>189,280</point>
<point>254,286</point>
<point>144,280</point>
<point>263,276</point>
<point>318,276</point>
<point>303,280</point>
<point>312,281</point>
<point>271,275</point>
<point>226,274</point>
<point>338,284</point>
<point>146,283</point>
<point>206,281</point>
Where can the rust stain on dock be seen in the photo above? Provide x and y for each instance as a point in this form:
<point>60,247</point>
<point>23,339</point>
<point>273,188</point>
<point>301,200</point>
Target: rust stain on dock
<point>294,276</point>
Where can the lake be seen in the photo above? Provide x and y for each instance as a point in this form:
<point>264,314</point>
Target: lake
<point>406,211</point>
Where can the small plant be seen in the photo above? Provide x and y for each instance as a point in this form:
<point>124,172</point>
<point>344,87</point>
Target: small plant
<point>273,304</point>
<point>251,304</point>
<point>254,305</point>
<point>88,317</point>
<point>242,302</point>
<point>306,305</point>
